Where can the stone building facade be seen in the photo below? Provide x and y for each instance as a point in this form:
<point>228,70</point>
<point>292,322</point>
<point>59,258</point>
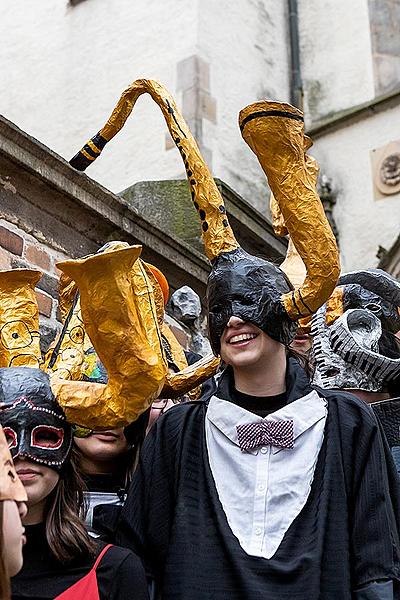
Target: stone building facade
<point>65,62</point>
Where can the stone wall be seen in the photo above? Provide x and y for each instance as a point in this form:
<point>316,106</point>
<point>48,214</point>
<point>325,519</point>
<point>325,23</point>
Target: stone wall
<point>64,66</point>
<point>365,222</point>
<point>385,39</point>
<point>336,56</point>
<point>18,249</point>
<point>215,57</point>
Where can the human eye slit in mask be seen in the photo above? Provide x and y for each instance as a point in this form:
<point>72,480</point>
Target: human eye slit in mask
<point>46,436</point>
<point>11,437</point>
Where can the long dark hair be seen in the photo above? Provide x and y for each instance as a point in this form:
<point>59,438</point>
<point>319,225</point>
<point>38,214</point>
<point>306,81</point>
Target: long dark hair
<point>5,592</point>
<point>303,359</point>
<point>66,534</point>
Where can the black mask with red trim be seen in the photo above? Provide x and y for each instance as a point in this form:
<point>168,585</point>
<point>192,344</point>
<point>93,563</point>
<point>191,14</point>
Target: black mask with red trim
<point>33,422</point>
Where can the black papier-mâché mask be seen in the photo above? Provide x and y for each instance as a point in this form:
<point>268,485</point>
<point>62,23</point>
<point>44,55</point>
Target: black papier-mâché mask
<point>33,422</point>
<point>250,288</point>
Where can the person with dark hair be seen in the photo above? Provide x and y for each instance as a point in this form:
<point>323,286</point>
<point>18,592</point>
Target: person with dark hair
<point>60,559</point>
<point>12,510</point>
<point>106,461</point>
<point>107,455</point>
<point>272,488</point>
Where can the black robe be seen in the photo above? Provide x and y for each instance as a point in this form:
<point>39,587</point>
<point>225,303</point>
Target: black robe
<point>345,536</point>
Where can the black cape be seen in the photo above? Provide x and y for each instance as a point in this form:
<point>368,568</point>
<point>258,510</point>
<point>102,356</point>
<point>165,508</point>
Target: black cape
<point>345,536</point>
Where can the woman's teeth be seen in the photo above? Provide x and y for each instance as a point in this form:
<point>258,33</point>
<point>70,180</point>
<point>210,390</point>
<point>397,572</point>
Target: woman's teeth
<point>242,337</point>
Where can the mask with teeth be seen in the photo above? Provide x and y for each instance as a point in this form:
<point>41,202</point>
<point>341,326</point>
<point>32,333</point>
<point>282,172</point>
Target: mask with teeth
<point>354,345</point>
<point>239,283</point>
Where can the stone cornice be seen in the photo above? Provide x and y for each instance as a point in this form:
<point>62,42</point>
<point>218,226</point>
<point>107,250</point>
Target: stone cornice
<point>344,117</point>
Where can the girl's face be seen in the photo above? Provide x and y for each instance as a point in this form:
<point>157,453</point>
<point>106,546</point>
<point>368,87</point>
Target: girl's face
<point>39,481</point>
<point>13,534</point>
<point>102,447</point>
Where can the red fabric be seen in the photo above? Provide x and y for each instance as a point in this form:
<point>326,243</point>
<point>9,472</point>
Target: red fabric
<point>86,588</point>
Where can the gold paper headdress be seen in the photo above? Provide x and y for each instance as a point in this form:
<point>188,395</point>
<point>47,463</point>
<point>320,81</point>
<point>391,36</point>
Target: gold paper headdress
<point>275,133</point>
<point>11,487</point>
<point>75,358</point>
<point>19,319</point>
<point>119,314</point>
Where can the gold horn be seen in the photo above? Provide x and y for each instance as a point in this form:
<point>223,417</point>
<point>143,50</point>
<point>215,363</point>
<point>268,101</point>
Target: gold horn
<point>74,357</point>
<point>278,222</point>
<point>275,133</point>
<point>19,319</point>
<point>119,315</point>
<point>217,234</point>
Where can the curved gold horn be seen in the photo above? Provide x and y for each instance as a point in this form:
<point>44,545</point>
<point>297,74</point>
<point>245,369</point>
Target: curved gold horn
<point>293,266</point>
<point>275,133</point>
<point>278,222</point>
<point>217,234</point>
<point>73,357</point>
<point>19,319</point>
<point>119,314</point>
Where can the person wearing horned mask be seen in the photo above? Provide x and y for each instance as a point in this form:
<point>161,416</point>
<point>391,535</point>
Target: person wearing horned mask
<point>264,490</point>
<point>60,559</point>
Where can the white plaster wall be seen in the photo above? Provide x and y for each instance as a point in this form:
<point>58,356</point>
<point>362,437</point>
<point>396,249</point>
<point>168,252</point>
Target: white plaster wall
<point>363,223</point>
<point>246,43</point>
<point>336,55</point>
<point>63,69</point>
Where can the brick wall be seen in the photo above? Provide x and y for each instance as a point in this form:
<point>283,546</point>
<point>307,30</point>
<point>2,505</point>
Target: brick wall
<point>18,249</point>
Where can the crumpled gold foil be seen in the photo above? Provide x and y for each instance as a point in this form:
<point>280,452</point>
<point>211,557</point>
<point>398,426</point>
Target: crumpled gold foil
<point>11,487</point>
<point>334,306</point>
<point>275,133</point>
<point>217,234</point>
<point>19,319</point>
<point>194,375</point>
<point>74,355</point>
<point>174,347</point>
<point>293,266</point>
<point>71,350</point>
<point>159,300</point>
<point>67,290</point>
<point>278,222</point>
<point>119,314</point>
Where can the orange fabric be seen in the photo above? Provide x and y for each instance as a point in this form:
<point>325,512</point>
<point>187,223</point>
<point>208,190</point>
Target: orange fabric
<point>86,588</point>
<point>162,281</point>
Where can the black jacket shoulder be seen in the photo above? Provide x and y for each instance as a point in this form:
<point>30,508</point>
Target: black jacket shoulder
<point>348,403</point>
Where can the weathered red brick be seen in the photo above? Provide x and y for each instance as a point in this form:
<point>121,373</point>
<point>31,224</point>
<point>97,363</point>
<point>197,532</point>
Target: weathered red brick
<point>37,256</point>
<point>45,303</point>
<point>49,285</point>
<point>11,241</point>
<point>58,314</point>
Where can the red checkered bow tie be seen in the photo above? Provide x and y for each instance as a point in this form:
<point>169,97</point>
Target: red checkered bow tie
<point>265,433</point>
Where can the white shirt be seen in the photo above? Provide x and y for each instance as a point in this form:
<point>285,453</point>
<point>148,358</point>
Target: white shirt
<point>263,490</point>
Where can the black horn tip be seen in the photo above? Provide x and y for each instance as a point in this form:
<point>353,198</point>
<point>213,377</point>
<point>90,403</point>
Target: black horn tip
<point>80,162</point>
